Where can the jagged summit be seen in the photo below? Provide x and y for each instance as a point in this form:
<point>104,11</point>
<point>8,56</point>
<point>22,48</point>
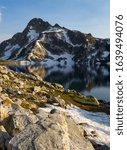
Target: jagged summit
<point>57,25</point>
<point>37,20</point>
<point>38,24</point>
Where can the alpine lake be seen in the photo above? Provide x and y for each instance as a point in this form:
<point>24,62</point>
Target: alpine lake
<point>89,81</point>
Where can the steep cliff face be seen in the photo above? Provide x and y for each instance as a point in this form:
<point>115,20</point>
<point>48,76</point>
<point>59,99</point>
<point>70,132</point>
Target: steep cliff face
<point>40,41</point>
<point>38,52</point>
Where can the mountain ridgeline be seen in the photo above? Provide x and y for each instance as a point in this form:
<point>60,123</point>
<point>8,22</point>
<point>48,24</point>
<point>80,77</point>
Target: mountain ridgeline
<point>42,41</point>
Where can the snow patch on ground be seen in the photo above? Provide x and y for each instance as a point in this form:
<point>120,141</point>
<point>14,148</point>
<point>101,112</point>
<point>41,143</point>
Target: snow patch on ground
<point>92,122</point>
<point>97,122</point>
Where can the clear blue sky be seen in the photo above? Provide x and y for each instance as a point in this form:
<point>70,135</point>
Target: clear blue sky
<point>88,16</point>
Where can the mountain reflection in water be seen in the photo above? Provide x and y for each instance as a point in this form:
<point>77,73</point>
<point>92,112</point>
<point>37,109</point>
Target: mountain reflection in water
<point>93,81</point>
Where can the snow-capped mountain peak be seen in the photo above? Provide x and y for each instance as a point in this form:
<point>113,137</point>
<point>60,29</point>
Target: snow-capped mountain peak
<point>40,39</point>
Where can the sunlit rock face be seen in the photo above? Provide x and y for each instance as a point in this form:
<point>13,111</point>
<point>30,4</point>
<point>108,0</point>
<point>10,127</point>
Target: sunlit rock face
<point>37,53</point>
<point>40,41</point>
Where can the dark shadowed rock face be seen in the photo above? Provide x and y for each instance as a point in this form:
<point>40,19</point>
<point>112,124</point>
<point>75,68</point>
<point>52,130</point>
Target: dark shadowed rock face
<point>77,37</point>
<point>49,41</point>
<point>37,24</point>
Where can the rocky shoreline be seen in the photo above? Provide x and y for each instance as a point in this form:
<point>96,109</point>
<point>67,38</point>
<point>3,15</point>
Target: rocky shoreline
<point>25,117</point>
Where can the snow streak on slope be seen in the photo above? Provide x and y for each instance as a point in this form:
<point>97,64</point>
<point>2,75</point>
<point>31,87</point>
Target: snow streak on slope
<point>9,49</point>
<point>62,35</point>
<point>32,35</point>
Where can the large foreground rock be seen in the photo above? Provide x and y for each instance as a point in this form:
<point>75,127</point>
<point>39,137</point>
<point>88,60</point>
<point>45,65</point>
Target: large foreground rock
<point>57,132</point>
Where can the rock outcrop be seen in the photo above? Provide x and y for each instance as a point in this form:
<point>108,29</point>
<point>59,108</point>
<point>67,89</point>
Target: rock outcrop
<point>58,131</point>
<point>22,130</point>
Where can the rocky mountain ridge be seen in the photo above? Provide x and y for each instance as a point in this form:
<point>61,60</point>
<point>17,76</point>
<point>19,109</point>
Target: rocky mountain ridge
<point>42,41</point>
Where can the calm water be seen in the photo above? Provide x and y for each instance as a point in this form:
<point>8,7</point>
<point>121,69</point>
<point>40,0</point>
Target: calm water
<point>90,80</point>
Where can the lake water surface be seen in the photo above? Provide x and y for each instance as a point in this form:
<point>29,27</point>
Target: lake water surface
<point>94,80</point>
